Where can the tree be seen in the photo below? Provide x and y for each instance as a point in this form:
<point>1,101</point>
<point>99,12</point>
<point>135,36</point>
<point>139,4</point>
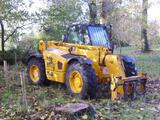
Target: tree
<point>125,17</point>
<point>12,17</point>
<point>144,36</point>
<point>60,14</point>
<point>107,8</point>
<point>153,33</point>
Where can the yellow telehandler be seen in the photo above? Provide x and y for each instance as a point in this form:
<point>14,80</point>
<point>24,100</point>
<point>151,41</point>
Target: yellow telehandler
<point>83,60</point>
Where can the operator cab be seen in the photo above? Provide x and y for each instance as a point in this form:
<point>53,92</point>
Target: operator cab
<point>95,35</point>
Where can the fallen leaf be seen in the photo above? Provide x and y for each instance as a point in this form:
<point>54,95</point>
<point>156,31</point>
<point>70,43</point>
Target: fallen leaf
<point>51,116</point>
<point>85,117</point>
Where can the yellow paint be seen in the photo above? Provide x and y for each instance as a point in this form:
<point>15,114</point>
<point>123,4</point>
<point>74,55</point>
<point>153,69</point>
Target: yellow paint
<point>34,73</point>
<point>76,82</point>
<point>114,65</point>
<point>106,65</point>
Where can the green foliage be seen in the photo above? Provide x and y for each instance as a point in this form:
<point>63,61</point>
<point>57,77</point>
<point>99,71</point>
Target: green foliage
<point>20,52</point>
<point>13,16</point>
<point>59,15</point>
<point>10,11</point>
<point>28,44</point>
<point>9,56</point>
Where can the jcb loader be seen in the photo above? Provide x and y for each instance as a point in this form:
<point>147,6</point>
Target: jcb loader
<point>83,60</point>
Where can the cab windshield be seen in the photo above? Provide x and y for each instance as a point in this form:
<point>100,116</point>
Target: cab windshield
<point>98,36</point>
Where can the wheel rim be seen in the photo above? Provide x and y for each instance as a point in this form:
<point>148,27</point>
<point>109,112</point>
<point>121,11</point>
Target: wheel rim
<point>34,73</point>
<point>76,81</point>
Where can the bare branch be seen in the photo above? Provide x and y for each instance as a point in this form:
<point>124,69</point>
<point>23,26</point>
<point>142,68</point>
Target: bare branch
<point>11,34</point>
<point>15,30</point>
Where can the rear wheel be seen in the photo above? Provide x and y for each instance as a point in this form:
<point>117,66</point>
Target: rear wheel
<point>36,72</point>
<point>81,80</point>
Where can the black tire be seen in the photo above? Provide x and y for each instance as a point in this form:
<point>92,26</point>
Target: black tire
<point>42,75</point>
<point>129,65</point>
<point>88,75</point>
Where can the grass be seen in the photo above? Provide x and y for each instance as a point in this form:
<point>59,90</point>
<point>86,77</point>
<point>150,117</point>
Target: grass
<point>146,62</point>
<point>41,99</point>
<point>125,111</point>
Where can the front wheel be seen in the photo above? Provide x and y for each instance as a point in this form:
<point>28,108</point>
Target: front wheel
<point>81,80</point>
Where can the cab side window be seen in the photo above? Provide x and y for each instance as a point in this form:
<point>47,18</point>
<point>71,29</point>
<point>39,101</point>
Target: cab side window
<point>78,35</point>
<point>75,38</point>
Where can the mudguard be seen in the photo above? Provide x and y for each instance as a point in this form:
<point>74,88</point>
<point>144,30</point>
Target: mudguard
<point>81,59</point>
<point>32,55</point>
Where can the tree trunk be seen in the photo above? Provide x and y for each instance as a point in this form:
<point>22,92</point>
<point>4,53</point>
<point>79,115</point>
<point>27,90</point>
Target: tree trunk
<point>144,37</point>
<point>106,11</point>
<point>2,38</point>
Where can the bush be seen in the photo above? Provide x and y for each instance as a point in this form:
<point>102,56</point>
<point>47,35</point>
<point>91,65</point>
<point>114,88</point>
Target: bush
<point>19,53</point>
<point>11,56</point>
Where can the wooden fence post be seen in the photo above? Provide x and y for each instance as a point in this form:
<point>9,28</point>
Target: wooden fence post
<point>5,69</point>
<point>24,98</point>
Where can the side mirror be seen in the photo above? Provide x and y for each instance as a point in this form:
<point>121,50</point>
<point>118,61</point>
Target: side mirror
<point>65,37</point>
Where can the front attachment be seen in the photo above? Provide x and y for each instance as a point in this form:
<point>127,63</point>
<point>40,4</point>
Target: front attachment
<point>137,87</point>
<point>129,88</point>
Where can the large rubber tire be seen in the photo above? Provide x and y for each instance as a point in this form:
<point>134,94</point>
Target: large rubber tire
<point>88,75</point>
<point>39,63</point>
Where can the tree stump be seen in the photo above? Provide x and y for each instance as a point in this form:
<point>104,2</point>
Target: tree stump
<point>73,110</point>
